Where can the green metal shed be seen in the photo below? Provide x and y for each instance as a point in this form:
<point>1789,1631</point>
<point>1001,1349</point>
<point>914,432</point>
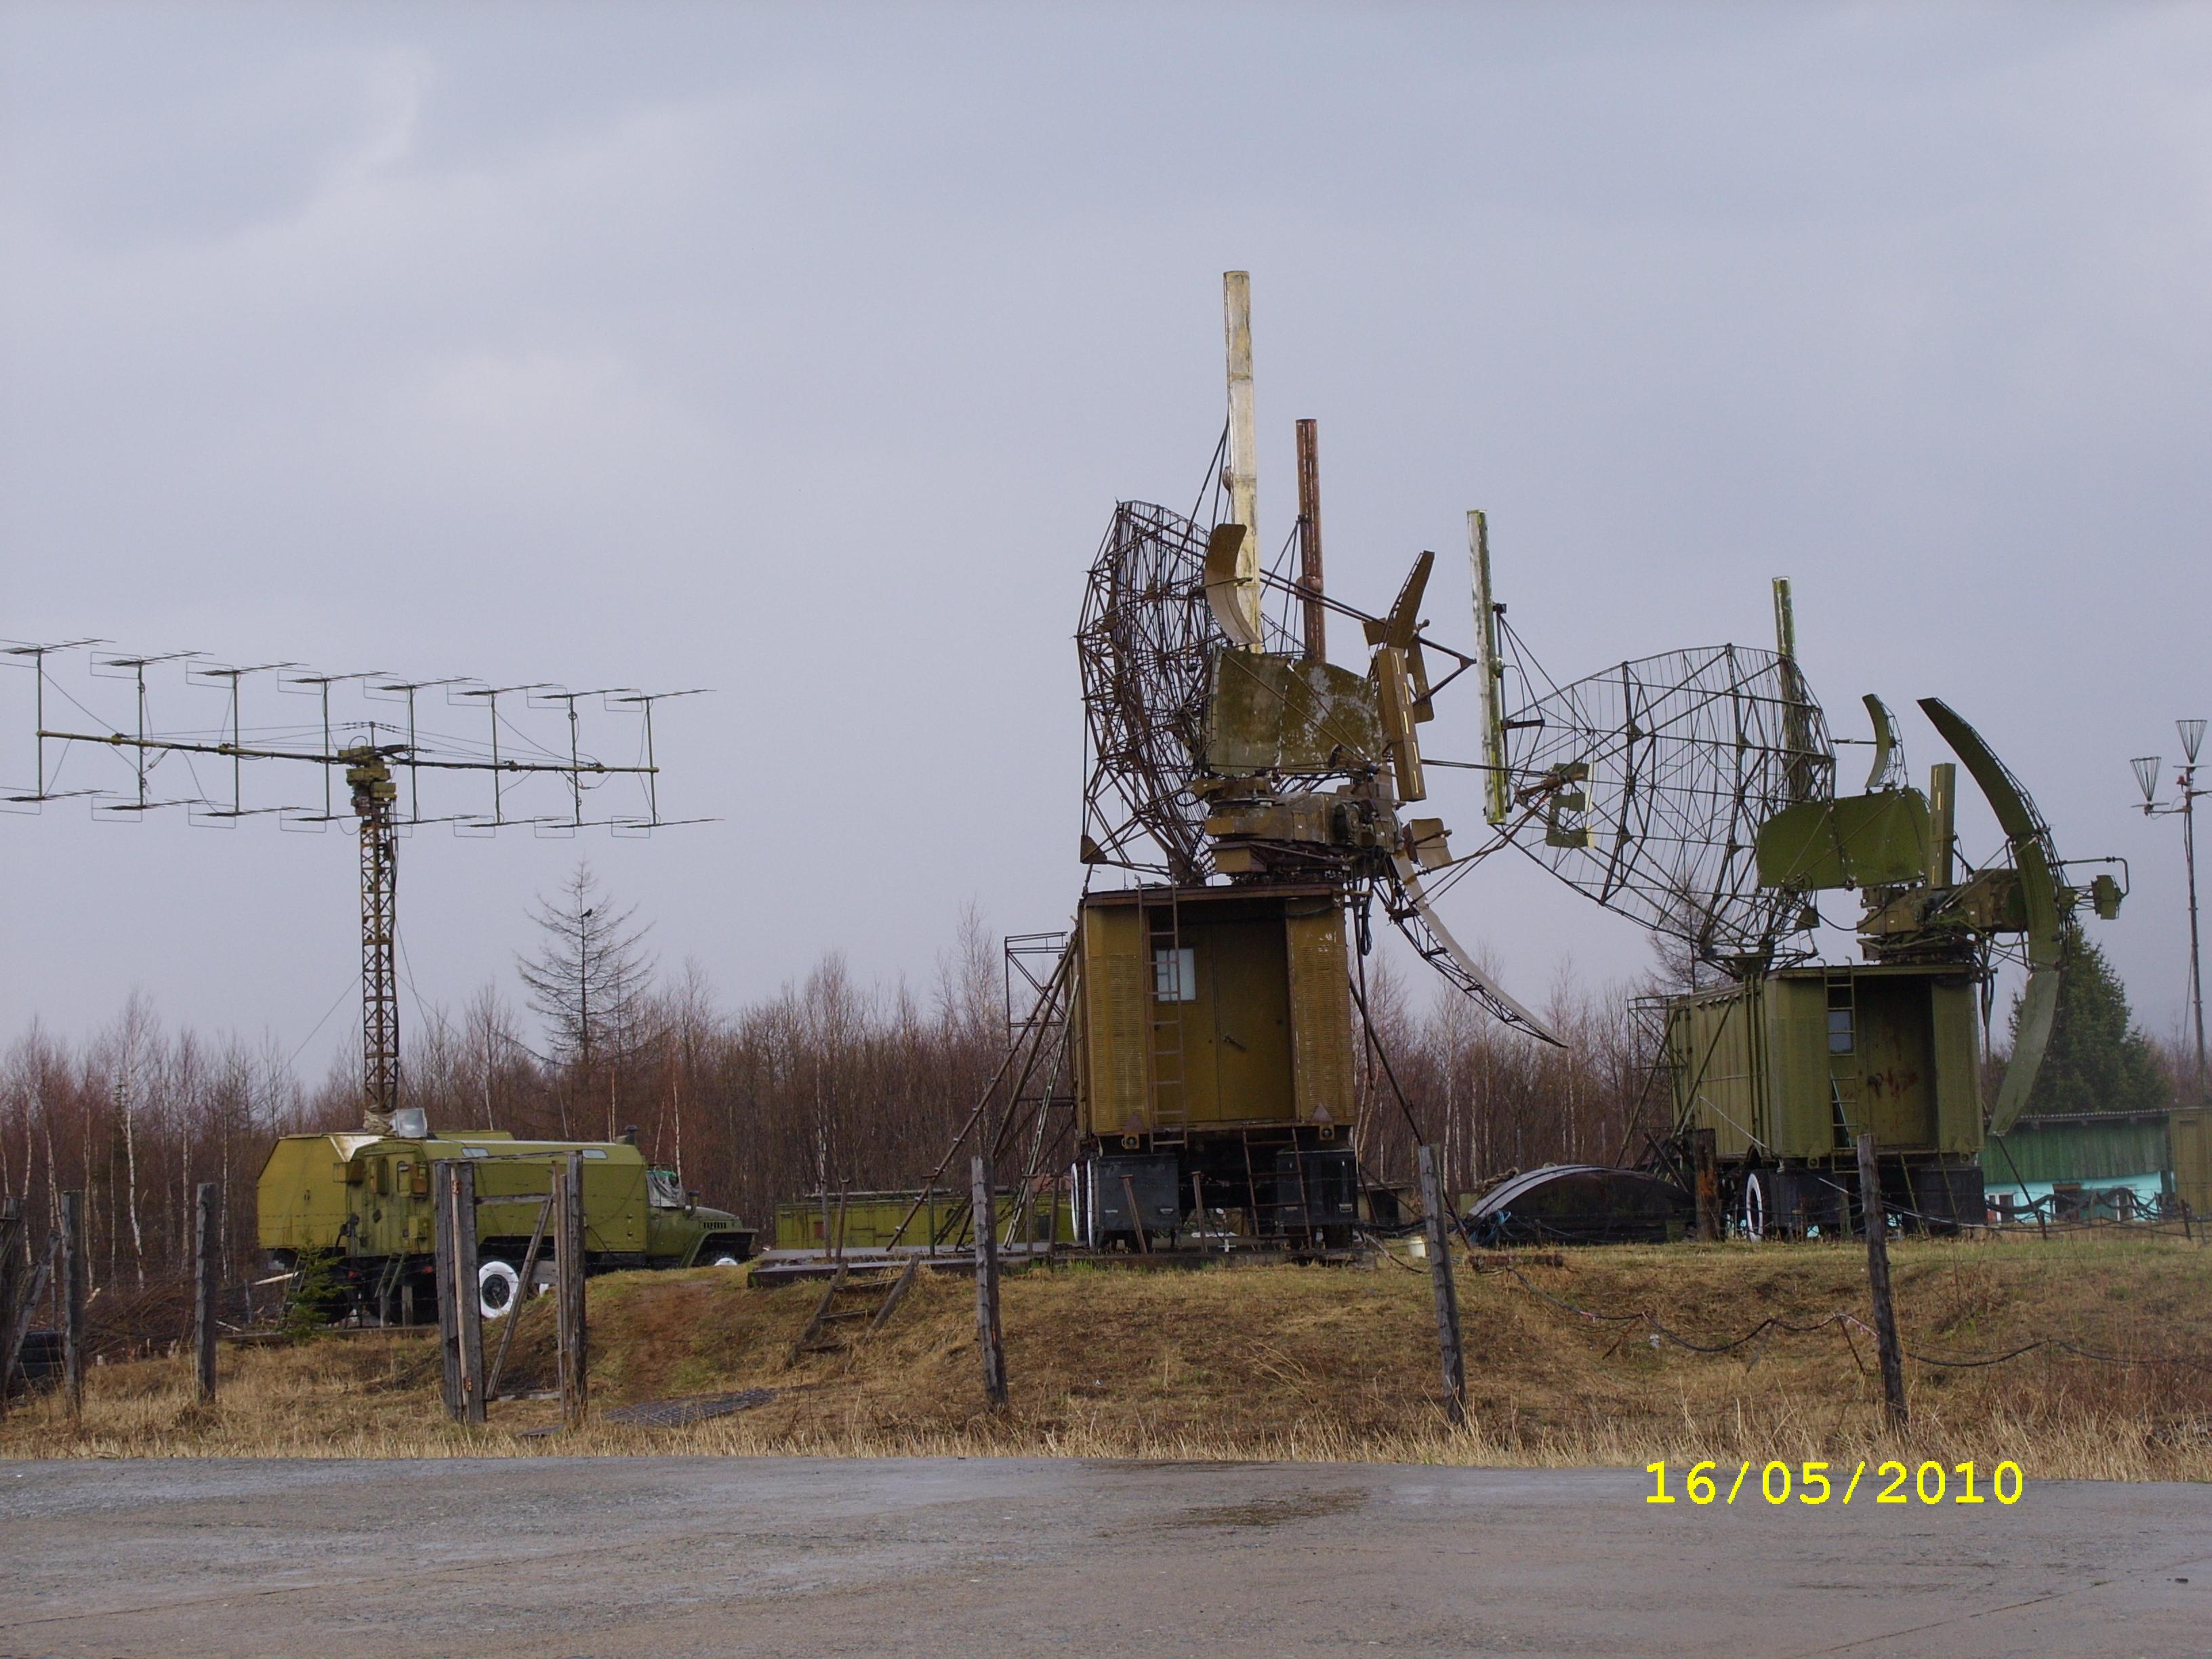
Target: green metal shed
<point>2085,1149</point>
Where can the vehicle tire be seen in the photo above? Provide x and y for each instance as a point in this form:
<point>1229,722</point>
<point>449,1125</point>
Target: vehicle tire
<point>1754,1206</point>
<point>497,1282</point>
<point>721,1256</point>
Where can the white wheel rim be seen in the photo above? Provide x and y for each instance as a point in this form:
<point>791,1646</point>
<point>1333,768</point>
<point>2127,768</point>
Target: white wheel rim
<point>494,1302</point>
<point>1754,1210</point>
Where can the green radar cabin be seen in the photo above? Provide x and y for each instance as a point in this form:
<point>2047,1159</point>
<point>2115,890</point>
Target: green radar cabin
<point>1254,787</point>
<point>1213,1076</point>
<point>1787,1067</point>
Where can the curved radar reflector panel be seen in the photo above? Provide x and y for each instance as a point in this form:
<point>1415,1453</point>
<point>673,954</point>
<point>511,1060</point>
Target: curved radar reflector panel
<point>1888,769</point>
<point>2036,860</point>
<point>1417,919</point>
<point>1232,590</point>
<point>1649,783</point>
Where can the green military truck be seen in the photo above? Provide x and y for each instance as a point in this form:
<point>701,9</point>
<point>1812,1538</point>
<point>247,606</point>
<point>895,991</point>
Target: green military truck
<point>359,1206</point>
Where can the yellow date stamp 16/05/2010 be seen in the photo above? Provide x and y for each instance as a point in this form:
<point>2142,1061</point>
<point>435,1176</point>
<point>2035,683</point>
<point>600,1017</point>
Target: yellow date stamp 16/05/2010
<point>1812,1483</point>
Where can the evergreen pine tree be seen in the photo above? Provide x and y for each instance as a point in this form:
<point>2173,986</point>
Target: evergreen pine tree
<point>2098,1060</point>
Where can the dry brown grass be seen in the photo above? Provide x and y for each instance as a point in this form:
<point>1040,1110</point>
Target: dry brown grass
<point>1310,1363</point>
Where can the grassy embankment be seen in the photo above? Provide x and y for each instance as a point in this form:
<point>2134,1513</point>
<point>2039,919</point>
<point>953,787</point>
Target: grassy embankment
<point>1299,1363</point>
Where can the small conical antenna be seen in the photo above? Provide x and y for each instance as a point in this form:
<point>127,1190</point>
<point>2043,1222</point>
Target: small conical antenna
<point>2192,734</point>
<point>2147,766</point>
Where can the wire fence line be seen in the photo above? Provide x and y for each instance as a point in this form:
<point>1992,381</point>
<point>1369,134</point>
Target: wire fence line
<point>1840,1320</point>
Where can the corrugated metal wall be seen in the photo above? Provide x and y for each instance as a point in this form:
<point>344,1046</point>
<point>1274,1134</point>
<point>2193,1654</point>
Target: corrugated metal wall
<point>2089,1147</point>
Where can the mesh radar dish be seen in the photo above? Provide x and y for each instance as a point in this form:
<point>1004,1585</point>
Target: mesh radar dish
<point>1650,782</point>
<point>1148,642</point>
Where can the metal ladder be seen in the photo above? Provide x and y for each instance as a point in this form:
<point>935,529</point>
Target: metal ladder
<point>1845,1072</point>
<point>1171,1097</point>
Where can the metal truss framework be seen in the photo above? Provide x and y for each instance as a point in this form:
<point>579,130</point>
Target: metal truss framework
<point>1654,778</point>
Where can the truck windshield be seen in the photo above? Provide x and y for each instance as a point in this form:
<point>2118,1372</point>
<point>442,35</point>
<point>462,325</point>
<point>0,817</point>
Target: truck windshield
<point>664,1190</point>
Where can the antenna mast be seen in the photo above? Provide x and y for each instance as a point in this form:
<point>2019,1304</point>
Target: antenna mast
<point>1242,474</point>
<point>2148,768</point>
<point>368,765</point>
<point>374,794</point>
<point>1309,582</point>
<point>1490,674</point>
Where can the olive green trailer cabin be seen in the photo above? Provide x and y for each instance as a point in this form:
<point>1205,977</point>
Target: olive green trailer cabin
<point>1787,1068</point>
<point>1212,1037</point>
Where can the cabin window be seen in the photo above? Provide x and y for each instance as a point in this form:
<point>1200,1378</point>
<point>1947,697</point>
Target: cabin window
<point>1843,1038</point>
<point>663,1191</point>
<point>1175,975</point>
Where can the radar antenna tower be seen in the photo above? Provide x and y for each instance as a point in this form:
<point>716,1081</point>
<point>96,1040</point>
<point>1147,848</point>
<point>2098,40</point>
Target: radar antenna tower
<point>365,752</point>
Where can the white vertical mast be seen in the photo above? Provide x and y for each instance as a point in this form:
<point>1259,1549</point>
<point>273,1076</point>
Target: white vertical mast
<point>1241,474</point>
<point>1490,674</point>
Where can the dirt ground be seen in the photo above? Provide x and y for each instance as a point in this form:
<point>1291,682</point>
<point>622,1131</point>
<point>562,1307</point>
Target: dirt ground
<point>1592,1359</point>
<point>684,1557</point>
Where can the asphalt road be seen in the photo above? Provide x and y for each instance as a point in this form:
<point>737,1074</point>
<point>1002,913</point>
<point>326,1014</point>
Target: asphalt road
<point>679,1557</point>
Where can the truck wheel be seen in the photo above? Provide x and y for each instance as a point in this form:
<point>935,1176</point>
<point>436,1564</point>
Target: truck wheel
<point>497,1285</point>
<point>723,1258</point>
<point>1754,1208</point>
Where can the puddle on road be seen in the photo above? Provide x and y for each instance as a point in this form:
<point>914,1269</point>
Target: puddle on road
<point>1269,1511</point>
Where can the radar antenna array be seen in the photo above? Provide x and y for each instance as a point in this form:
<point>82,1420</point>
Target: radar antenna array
<point>343,744</point>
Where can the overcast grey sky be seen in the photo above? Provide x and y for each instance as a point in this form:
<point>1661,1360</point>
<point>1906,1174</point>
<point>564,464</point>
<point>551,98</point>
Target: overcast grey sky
<point>802,352</point>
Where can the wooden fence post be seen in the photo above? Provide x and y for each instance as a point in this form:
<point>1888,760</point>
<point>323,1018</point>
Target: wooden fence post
<point>1885,1313</point>
<point>468,1304</point>
<point>1709,1184</point>
<point>1443,1285</point>
<point>205,1262</point>
<point>72,1301</point>
<point>449,1329</point>
<point>989,1337</point>
<point>568,1267</point>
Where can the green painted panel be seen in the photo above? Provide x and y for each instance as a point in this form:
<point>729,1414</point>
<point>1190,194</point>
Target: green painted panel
<point>1894,1048</point>
<point>1859,841</point>
<point>1115,1088</point>
<point>1709,1045</point>
<point>1244,962</point>
<point>1288,715</point>
<point>1800,1106</point>
<point>1321,1014</point>
<point>2078,1149</point>
<point>1954,1007</point>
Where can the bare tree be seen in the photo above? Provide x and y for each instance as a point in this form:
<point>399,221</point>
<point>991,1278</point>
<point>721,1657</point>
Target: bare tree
<point>136,1038</point>
<point>590,982</point>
